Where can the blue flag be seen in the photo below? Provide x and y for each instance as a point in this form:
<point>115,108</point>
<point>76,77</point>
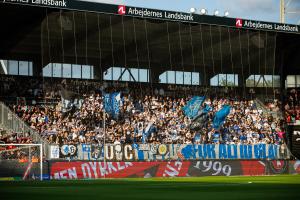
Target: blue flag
<point>193,106</point>
<point>207,109</point>
<point>220,116</point>
<point>107,103</point>
<point>112,103</point>
<point>116,102</point>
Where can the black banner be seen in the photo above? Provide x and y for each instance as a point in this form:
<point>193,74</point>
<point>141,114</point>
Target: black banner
<point>157,14</point>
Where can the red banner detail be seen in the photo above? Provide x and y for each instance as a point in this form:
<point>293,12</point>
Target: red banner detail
<point>238,23</point>
<point>173,169</point>
<point>91,170</point>
<point>121,10</point>
<point>253,168</point>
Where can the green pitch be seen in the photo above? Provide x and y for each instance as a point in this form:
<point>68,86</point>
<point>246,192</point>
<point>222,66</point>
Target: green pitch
<point>206,188</point>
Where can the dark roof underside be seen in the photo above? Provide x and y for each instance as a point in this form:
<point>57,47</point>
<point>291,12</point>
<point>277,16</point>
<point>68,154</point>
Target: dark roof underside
<point>46,35</point>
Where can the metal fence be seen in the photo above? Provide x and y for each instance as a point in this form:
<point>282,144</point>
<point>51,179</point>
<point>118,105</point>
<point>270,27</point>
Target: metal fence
<point>10,122</point>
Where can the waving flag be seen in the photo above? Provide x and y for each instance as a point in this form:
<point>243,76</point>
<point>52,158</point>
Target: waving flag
<point>193,106</point>
<point>116,102</point>
<point>107,103</point>
<point>220,116</point>
<point>206,109</point>
<point>201,119</point>
<point>148,130</point>
<point>112,103</point>
<point>69,99</point>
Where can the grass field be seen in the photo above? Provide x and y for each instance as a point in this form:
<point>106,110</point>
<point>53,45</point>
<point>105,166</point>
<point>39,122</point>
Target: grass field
<point>221,188</point>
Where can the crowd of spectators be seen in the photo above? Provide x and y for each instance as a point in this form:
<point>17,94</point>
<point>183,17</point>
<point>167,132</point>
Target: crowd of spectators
<point>13,137</point>
<point>292,106</point>
<point>164,115</point>
<point>273,105</point>
<point>12,151</point>
<point>157,110</point>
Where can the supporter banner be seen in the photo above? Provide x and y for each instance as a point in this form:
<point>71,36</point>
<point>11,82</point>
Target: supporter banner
<point>90,152</point>
<point>92,170</point>
<point>66,151</point>
<point>167,152</point>
<point>54,152</point>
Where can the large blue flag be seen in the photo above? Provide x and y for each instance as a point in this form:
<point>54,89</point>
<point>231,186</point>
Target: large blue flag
<point>116,102</point>
<point>220,116</point>
<point>112,103</point>
<point>193,106</point>
<point>107,103</point>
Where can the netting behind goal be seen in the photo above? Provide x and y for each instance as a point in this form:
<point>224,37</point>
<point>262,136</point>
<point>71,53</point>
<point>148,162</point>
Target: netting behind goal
<point>21,162</point>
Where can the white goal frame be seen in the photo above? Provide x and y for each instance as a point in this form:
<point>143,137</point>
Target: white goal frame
<point>32,145</point>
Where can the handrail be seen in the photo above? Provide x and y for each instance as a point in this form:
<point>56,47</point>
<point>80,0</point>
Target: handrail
<point>11,122</point>
<point>263,107</point>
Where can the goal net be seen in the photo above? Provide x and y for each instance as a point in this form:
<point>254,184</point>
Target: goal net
<point>21,162</point>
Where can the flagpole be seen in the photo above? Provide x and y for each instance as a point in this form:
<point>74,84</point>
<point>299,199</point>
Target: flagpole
<point>104,130</point>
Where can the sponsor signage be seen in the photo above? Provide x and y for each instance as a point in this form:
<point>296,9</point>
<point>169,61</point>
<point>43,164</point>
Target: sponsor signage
<point>121,10</point>
<point>239,23</point>
<point>94,170</point>
<point>124,10</point>
<point>51,3</point>
<point>158,14</point>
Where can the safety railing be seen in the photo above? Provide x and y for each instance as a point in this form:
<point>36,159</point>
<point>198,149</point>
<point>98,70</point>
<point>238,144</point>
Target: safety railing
<point>10,122</point>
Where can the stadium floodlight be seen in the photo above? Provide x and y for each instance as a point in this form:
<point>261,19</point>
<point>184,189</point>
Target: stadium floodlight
<point>216,12</point>
<point>192,10</point>
<point>203,11</point>
<point>226,13</point>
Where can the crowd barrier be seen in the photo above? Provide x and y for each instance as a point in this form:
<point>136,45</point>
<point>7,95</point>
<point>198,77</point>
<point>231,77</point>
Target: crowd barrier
<point>167,152</point>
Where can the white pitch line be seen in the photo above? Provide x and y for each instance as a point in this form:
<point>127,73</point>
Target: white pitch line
<point>45,187</point>
<point>201,185</point>
<point>222,184</point>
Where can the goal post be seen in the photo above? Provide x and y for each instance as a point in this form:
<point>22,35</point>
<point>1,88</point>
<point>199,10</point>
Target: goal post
<point>24,161</point>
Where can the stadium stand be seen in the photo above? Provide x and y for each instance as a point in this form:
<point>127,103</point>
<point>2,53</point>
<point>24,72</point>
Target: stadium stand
<point>142,117</point>
<point>111,94</point>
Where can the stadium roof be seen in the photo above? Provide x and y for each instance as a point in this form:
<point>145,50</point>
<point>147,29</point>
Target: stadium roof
<point>144,38</point>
